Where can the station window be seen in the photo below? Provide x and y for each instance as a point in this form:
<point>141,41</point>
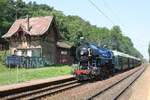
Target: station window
<point>34,52</point>
<point>64,52</point>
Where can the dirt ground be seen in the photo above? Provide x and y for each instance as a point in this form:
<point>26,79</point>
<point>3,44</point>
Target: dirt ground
<point>140,90</point>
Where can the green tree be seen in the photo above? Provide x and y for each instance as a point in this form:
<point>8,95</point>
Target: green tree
<point>116,37</point>
<point>71,28</point>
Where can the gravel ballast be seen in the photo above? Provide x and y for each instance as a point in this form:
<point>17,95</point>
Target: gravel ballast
<point>85,91</point>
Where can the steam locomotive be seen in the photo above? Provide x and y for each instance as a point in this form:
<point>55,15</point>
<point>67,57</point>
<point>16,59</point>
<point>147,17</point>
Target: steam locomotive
<point>100,63</point>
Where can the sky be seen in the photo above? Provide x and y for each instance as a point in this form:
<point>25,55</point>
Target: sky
<point>131,15</point>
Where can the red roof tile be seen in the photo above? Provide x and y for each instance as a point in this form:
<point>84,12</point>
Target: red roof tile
<point>37,26</point>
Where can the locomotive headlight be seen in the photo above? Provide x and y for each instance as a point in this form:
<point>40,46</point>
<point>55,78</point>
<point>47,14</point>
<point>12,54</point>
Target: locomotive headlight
<point>81,52</point>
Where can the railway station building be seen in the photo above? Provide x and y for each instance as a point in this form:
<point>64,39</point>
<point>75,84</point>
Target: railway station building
<point>36,41</point>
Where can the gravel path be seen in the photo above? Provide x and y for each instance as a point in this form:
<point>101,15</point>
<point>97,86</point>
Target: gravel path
<point>140,90</point>
<point>85,91</point>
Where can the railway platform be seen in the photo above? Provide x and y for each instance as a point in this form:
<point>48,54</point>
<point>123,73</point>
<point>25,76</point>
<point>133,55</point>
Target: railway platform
<point>33,83</point>
<point>140,89</point>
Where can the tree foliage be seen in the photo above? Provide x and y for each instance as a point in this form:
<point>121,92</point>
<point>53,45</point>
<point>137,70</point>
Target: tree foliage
<point>71,28</point>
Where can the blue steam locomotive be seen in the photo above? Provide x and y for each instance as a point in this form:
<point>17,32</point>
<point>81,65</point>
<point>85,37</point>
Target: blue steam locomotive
<point>100,63</point>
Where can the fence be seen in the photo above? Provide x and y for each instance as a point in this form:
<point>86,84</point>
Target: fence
<point>26,62</point>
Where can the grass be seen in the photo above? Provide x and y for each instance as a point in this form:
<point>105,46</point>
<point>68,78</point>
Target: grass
<point>10,76</point>
<point>14,75</point>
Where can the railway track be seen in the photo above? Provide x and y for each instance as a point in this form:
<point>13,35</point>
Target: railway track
<point>114,91</point>
<point>35,92</point>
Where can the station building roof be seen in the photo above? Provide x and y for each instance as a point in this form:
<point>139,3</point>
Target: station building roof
<point>37,26</point>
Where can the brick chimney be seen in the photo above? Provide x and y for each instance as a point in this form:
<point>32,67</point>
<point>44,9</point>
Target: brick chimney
<point>27,27</point>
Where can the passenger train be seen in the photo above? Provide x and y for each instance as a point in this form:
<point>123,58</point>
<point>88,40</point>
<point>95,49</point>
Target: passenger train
<point>100,63</point>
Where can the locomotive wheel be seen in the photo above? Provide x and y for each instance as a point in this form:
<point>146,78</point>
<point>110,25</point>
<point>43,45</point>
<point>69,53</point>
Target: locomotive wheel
<point>104,72</point>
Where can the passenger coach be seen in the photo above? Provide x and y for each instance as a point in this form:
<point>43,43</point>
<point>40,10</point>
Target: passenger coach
<point>124,61</point>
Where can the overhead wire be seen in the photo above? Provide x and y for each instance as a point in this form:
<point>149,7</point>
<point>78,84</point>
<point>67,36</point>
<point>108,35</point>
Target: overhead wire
<point>101,12</point>
<point>115,15</point>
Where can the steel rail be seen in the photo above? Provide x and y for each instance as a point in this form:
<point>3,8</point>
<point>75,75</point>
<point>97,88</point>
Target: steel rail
<point>40,90</point>
<point>116,83</point>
